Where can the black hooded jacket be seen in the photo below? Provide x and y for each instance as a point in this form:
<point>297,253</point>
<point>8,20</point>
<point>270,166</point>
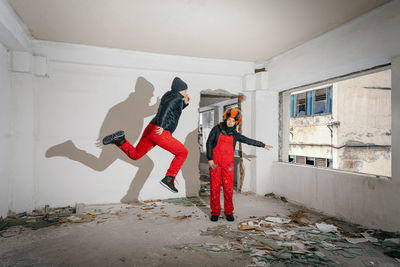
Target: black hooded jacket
<point>171,106</point>
<point>212,139</point>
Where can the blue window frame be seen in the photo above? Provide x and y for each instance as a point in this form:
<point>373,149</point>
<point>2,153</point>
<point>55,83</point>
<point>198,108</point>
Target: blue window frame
<point>311,103</point>
<point>293,106</point>
<point>301,105</point>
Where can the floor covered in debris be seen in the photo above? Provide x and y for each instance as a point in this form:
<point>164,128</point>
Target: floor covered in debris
<point>268,231</point>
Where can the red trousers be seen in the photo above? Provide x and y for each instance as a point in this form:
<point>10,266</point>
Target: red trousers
<point>223,154</point>
<point>150,139</point>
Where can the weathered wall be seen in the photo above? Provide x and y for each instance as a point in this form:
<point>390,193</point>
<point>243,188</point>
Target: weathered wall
<point>5,130</point>
<point>363,108</point>
<point>85,93</point>
<point>310,136</point>
<point>361,130</point>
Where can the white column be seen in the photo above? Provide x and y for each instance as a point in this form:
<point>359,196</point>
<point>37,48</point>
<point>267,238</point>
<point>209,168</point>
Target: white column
<point>396,119</point>
<point>248,129</point>
<point>5,130</point>
<point>262,125</point>
<point>23,182</point>
<point>267,127</point>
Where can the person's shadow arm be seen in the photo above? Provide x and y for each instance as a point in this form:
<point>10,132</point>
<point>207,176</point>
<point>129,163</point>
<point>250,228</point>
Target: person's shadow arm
<point>153,108</point>
<point>247,156</point>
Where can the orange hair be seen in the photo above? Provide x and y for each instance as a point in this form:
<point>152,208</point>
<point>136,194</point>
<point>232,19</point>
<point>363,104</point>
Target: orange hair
<point>233,113</point>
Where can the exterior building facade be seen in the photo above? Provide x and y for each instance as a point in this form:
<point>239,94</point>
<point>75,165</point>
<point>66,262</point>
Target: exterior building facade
<point>344,125</point>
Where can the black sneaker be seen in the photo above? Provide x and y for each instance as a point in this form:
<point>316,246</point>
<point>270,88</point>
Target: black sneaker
<point>117,138</point>
<point>214,218</point>
<point>168,182</point>
<point>230,218</point>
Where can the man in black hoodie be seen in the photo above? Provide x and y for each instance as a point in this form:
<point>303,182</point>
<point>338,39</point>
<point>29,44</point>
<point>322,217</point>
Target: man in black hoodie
<point>159,132</point>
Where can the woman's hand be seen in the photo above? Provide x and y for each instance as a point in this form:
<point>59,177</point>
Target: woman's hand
<point>186,99</point>
<point>268,147</point>
<point>211,164</point>
<point>159,130</point>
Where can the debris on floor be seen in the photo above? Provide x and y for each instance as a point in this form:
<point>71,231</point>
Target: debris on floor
<point>45,217</point>
<point>184,217</point>
<point>188,202</point>
<point>272,195</point>
<point>13,231</point>
<point>204,185</point>
<point>293,241</point>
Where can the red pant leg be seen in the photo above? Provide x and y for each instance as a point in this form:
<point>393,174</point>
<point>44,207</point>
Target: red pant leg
<point>169,143</point>
<point>145,145</point>
<point>215,188</point>
<point>227,182</point>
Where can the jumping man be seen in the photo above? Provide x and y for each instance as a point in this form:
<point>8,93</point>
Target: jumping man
<point>159,132</point>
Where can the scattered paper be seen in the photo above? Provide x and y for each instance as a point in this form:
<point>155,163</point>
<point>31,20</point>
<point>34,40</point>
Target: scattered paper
<point>369,238</point>
<point>356,240</point>
<point>244,227</point>
<point>326,228</point>
<point>74,218</point>
<point>277,220</point>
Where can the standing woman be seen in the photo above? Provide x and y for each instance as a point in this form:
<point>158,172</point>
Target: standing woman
<point>220,154</point>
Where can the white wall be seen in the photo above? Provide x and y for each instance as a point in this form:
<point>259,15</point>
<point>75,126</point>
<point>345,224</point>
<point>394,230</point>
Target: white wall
<point>360,199</point>
<point>70,101</point>
<point>367,41</point>
<point>370,40</point>
<point>5,130</point>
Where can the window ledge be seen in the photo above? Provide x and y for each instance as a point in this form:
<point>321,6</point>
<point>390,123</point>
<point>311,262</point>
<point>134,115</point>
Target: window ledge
<point>375,176</point>
<point>314,115</point>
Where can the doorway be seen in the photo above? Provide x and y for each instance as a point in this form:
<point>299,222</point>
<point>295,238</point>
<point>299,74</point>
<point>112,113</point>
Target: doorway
<point>212,108</point>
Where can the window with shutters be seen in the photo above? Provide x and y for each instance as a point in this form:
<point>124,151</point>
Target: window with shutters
<point>311,103</point>
<point>301,105</point>
<point>320,101</point>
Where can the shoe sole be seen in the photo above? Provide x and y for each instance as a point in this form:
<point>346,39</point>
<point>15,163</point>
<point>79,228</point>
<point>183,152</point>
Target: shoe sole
<point>110,138</point>
<point>166,186</point>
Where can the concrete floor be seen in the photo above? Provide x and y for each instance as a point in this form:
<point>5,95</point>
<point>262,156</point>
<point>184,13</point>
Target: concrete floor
<point>122,237</point>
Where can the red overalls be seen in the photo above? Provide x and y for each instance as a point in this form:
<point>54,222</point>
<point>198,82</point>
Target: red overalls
<point>223,154</point>
<point>150,139</point>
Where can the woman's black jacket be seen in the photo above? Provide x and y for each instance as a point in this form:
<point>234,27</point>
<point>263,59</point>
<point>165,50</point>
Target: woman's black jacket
<point>212,139</point>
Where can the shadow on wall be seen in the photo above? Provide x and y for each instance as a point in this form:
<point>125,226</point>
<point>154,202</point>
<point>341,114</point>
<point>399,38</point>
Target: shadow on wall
<point>190,169</point>
<point>128,115</point>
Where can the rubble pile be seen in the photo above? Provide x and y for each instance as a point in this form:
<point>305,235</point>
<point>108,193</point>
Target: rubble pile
<point>295,241</point>
<point>15,223</point>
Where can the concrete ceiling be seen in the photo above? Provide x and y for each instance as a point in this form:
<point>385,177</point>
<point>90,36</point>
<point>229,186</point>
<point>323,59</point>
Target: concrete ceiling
<point>248,30</point>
